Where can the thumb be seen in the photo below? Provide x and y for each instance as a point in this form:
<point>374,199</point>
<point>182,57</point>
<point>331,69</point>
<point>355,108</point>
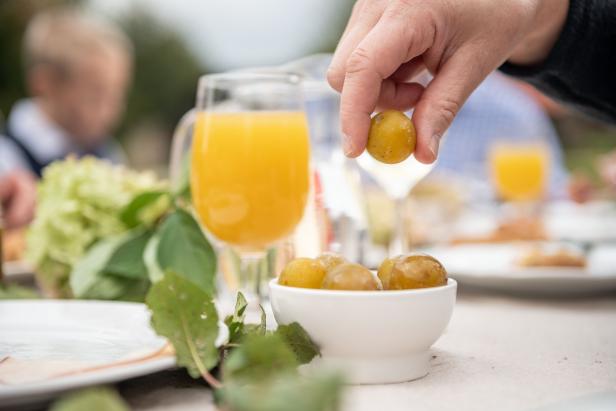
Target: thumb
<point>441,102</point>
<point>18,193</point>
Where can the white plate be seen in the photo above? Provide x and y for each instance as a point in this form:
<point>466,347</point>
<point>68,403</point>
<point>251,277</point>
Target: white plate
<point>584,223</point>
<point>591,223</point>
<point>93,332</point>
<point>493,266</point>
<point>16,270</point>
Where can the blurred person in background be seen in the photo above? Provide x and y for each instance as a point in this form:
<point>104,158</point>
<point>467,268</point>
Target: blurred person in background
<point>77,72</point>
<point>499,110</point>
<point>582,189</point>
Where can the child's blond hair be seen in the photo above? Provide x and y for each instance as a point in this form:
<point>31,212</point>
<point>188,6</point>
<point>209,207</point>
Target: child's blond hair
<point>60,37</point>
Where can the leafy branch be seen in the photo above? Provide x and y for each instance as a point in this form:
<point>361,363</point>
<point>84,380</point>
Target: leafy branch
<point>249,356</point>
<point>164,258</point>
<point>209,378</point>
<point>161,237</point>
<point>185,314</point>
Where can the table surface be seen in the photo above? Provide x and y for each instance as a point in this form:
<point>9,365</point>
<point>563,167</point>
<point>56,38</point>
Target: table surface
<point>499,352</point>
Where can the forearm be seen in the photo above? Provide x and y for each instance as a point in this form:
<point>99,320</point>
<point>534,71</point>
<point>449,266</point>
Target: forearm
<point>545,31</point>
<point>580,67</point>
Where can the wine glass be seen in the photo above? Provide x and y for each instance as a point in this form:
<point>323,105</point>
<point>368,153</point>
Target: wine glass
<point>519,170</point>
<point>397,180</point>
<point>249,166</point>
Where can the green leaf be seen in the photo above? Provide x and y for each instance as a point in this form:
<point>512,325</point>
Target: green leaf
<point>133,290</point>
<point>184,250</point>
<point>238,329</point>
<point>299,341</point>
<point>185,314</point>
<point>130,214</point>
<point>235,322</point>
<point>89,279</point>
<point>155,273</point>
<point>127,258</point>
<point>258,358</point>
<point>262,326</point>
<point>257,329</point>
<point>87,273</point>
<point>285,392</point>
<point>17,292</point>
<point>91,399</point>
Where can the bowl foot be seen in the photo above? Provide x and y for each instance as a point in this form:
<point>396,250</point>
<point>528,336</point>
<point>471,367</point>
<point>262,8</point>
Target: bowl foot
<point>386,370</point>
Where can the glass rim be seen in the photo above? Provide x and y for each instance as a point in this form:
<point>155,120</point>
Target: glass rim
<point>250,75</point>
<point>515,142</point>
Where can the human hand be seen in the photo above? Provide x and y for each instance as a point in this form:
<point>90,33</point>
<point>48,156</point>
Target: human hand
<point>18,198</point>
<point>388,42</point>
<point>607,169</point>
<point>580,188</point>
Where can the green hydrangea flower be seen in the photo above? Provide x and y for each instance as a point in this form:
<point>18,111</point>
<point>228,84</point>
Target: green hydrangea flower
<point>78,203</point>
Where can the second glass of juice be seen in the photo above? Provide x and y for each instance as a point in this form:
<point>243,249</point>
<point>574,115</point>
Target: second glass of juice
<point>519,171</point>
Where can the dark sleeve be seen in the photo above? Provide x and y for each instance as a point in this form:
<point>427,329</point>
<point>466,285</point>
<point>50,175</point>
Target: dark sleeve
<point>581,68</point>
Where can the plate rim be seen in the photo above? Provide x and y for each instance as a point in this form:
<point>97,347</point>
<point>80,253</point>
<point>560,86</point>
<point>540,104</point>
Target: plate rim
<point>17,269</point>
<point>532,279</point>
<point>33,392</point>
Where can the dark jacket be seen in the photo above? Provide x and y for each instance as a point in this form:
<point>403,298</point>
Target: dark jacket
<point>581,68</point>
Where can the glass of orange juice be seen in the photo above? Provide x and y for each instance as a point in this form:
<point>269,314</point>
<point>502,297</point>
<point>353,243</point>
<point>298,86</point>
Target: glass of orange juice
<point>249,166</point>
<point>520,170</point>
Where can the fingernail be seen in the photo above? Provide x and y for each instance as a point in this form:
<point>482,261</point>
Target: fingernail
<point>347,145</point>
<point>433,145</point>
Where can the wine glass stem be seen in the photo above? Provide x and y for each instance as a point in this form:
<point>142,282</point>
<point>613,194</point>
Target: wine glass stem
<point>527,209</point>
<point>399,243</point>
<point>247,273</point>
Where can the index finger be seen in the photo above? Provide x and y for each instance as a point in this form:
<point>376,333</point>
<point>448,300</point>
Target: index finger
<point>392,42</point>
<point>365,16</point>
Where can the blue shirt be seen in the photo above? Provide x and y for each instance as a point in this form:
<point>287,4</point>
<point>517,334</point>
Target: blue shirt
<point>43,140</point>
<point>499,111</point>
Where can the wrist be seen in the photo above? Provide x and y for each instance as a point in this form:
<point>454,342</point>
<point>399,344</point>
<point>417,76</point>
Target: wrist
<point>535,46</point>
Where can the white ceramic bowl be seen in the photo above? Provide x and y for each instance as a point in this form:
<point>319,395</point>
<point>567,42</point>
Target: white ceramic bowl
<point>375,337</point>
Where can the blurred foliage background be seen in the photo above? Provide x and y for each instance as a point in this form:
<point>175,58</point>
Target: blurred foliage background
<point>584,139</point>
<point>165,79</point>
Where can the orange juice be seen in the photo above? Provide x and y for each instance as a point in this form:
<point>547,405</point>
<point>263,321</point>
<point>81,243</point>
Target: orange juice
<point>250,175</point>
<point>519,172</point>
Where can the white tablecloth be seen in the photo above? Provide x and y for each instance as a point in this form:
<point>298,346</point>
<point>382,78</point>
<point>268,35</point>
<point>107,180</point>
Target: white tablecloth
<point>499,353</point>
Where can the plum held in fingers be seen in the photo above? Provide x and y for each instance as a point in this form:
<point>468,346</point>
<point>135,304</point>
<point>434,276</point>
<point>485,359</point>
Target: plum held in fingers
<point>392,137</point>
